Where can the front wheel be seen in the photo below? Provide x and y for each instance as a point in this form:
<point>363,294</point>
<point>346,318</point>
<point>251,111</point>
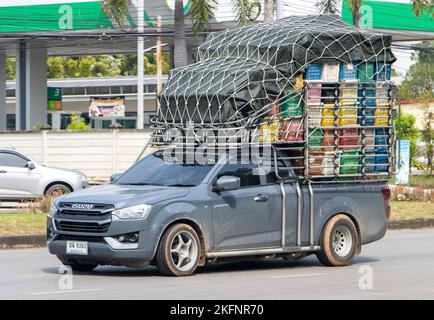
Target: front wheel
<point>179,251</point>
<point>338,242</point>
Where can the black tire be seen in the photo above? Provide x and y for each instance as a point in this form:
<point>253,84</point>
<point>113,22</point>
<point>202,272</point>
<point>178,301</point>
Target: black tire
<point>58,189</point>
<point>166,260</point>
<point>81,267</point>
<point>339,242</point>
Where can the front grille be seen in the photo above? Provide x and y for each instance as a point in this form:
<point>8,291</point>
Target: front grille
<point>91,218</point>
<point>65,237</point>
<point>98,209</point>
<point>80,226</point>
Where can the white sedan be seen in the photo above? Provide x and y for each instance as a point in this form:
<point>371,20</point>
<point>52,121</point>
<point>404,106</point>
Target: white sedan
<point>21,177</point>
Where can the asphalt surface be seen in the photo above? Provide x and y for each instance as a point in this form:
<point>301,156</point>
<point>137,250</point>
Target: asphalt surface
<point>401,266</point>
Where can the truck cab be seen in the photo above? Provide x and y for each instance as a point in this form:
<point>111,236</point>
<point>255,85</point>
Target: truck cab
<point>180,216</point>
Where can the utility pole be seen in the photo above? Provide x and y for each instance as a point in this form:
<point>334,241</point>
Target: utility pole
<point>268,10</point>
<point>140,63</point>
<point>159,53</point>
<point>280,9</point>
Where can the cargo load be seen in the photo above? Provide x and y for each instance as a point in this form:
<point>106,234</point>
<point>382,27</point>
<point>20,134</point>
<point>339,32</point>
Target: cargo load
<point>313,83</point>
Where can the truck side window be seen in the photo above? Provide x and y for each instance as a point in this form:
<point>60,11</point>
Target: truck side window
<point>242,171</point>
<point>283,169</point>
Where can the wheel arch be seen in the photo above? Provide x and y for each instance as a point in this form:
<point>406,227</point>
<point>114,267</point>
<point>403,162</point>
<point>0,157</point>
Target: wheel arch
<point>49,185</point>
<point>196,228</point>
<point>356,224</point>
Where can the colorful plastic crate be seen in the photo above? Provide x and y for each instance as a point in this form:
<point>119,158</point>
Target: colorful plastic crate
<point>269,130</point>
<point>382,95</point>
<point>315,138</point>
<point>314,94</point>
<point>348,72</point>
<point>313,72</point>
<point>366,71</point>
<point>348,93</point>
<point>382,137</point>
<point>349,138</point>
<point>330,72</point>
<point>291,130</point>
<point>369,115</point>
<point>383,71</point>
<point>328,115</point>
<point>349,161</point>
<point>381,117</point>
<point>292,105</point>
<point>347,115</point>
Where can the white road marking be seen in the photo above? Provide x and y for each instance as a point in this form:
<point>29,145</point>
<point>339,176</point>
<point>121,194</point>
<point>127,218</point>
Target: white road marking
<point>299,275</point>
<point>65,291</point>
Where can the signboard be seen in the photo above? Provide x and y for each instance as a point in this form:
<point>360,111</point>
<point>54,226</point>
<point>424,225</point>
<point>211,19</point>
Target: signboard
<point>54,99</point>
<point>107,107</point>
<point>403,165</point>
<point>389,14</point>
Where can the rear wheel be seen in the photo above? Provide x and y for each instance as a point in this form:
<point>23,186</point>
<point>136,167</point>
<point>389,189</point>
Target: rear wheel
<point>338,242</point>
<point>179,251</point>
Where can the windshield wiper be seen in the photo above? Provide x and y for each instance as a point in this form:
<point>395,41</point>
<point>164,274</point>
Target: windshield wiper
<point>180,185</point>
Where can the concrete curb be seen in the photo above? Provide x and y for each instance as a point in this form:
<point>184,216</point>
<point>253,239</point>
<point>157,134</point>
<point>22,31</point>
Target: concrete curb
<point>34,241</point>
<point>25,241</point>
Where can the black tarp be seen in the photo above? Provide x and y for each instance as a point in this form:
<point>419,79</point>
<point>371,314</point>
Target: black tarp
<point>240,72</point>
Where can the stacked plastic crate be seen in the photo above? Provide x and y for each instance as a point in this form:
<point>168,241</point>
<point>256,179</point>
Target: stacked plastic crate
<point>349,122</point>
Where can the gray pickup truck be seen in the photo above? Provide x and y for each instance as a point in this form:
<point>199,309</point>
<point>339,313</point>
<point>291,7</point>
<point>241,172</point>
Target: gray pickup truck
<point>180,216</point>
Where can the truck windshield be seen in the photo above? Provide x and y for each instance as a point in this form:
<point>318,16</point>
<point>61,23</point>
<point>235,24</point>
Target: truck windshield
<point>153,170</point>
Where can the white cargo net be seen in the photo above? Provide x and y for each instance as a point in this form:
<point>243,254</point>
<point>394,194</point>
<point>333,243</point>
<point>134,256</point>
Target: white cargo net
<point>275,80</point>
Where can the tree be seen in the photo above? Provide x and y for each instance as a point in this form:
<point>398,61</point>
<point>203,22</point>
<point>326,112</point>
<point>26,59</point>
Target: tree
<point>327,6</point>
<point>409,132</point>
<point>421,6</point>
<point>116,10</point>
<point>201,13</point>
<point>419,79</point>
<point>331,6</point>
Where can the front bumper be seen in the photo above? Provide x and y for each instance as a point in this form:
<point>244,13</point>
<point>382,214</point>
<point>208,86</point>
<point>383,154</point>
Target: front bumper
<point>103,249</point>
<point>100,253</point>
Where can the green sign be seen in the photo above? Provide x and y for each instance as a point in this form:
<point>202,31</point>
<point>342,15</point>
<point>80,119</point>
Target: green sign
<point>389,15</point>
<point>54,17</point>
<point>54,94</point>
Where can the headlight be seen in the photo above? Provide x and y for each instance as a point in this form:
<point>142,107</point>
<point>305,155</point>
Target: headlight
<point>53,209</point>
<point>135,212</point>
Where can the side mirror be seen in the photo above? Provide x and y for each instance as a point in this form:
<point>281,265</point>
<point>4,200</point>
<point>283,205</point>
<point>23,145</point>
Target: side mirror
<point>30,165</point>
<point>115,177</point>
<point>226,183</point>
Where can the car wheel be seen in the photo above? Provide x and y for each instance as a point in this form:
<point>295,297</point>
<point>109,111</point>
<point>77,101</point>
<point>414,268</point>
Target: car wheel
<point>338,242</point>
<point>57,190</point>
<point>81,267</point>
<point>179,250</point>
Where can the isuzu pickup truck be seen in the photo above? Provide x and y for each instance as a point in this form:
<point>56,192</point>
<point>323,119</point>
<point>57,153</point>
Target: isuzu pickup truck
<point>180,217</point>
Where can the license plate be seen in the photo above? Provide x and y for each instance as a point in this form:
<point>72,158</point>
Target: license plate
<point>77,247</point>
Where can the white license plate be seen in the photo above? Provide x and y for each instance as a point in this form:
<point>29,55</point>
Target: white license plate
<point>77,247</point>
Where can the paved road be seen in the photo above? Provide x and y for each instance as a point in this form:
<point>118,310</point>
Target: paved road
<point>402,266</point>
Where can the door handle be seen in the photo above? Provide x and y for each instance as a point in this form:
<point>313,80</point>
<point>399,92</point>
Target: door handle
<point>3,171</point>
<point>260,198</point>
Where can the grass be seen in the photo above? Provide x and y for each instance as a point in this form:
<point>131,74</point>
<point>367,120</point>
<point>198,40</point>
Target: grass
<point>25,223</point>
<point>404,210</point>
<point>22,223</point>
<point>422,181</point>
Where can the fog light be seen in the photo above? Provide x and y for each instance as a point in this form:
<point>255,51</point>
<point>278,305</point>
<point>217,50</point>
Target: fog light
<point>128,238</point>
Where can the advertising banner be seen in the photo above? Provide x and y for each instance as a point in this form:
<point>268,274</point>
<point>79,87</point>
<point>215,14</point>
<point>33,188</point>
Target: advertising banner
<point>403,165</point>
<point>107,107</point>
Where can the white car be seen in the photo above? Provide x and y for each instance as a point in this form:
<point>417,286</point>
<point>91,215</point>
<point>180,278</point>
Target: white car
<point>21,177</point>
